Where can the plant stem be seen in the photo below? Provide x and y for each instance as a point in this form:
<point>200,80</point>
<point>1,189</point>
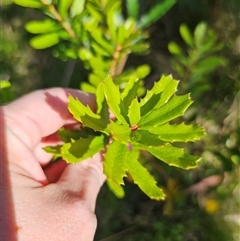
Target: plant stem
<point>191,64</point>
<point>59,18</point>
<point>115,59</point>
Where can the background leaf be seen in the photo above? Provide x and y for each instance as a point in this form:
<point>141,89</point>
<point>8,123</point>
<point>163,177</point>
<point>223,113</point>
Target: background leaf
<point>155,13</point>
<point>76,7</point>
<point>145,180</point>
<point>63,7</point>
<point>132,8</point>
<point>186,34</point>
<point>44,41</point>
<point>29,3</point>
<point>44,26</point>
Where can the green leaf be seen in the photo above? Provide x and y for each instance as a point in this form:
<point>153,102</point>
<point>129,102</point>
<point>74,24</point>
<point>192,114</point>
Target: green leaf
<point>200,33</point>
<point>55,150</point>
<point>29,3</point>
<point>130,91</point>
<point>77,7</point>
<point>174,48</point>
<point>145,180</point>
<point>132,8</point>
<point>134,112</point>
<point>209,64</point>
<point>102,107</point>
<point>175,107</point>
<point>120,133</point>
<point>88,88</point>
<point>115,162</point>
<point>111,22</point>
<point>6,94</point>
<point>44,41</point>
<point>103,44</point>
<point>161,92</point>
<point>85,115</point>
<point>155,13</point>
<point>173,156</point>
<point>79,150</point>
<point>146,138</point>
<point>67,135</point>
<point>44,26</point>
<point>119,159</point>
<point>63,7</point>
<point>181,132</point>
<point>116,189</point>
<point>186,34</point>
<point>114,101</point>
<point>142,71</point>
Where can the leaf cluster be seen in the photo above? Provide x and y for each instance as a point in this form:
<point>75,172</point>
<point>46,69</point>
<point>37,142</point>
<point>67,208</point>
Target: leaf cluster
<point>98,33</point>
<point>94,31</point>
<point>139,125</point>
<point>201,57</point>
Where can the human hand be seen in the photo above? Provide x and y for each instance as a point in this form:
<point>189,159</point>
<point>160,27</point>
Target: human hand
<point>42,200</point>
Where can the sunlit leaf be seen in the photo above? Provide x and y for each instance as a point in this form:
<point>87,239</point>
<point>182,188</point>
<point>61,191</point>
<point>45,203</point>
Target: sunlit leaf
<point>29,3</point>
<point>173,156</point>
<point>120,133</point>
<point>174,48</point>
<point>85,115</point>
<point>146,138</point>
<point>181,132</point>
<point>88,88</point>
<point>102,107</point>
<point>63,7</point>
<point>44,26</point>
<point>114,100</point>
<point>130,91</point>
<point>143,70</point>
<point>44,41</point>
<point>79,150</point>
<point>120,160</point>
<point>116,162</point>
<point>145,180</point>
<point>77,7</point>
<point>116,189</point>
<point>159,95</point>
<point>174,108</point>
<point>134,112</point>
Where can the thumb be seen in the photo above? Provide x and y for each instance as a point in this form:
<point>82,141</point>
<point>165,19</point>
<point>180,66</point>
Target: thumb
<point>84,180</point>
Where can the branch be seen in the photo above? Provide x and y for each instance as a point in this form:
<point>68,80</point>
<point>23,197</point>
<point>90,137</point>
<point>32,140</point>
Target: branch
<point>116,55</point>
<point>59,18</point>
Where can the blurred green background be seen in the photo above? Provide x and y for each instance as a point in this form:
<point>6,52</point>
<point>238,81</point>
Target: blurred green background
<point>202,204</point>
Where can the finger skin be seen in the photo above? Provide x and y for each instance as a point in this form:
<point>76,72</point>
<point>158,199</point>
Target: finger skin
<point>42,113</point>
<point>57,201</point>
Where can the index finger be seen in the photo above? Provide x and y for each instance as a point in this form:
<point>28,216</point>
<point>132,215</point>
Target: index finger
<point>42,113</point>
